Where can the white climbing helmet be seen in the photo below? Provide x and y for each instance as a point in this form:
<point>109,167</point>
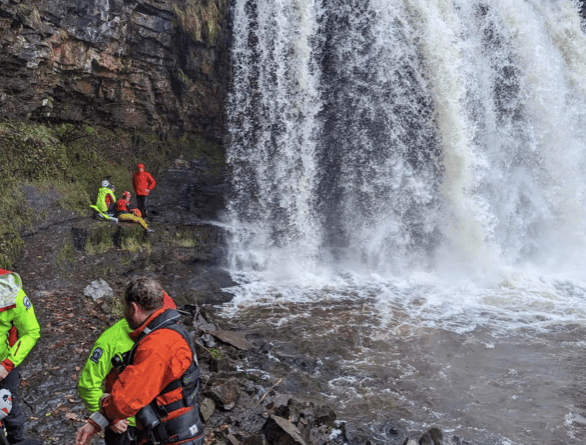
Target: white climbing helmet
<point>5,403</point>
<point>105,183</point>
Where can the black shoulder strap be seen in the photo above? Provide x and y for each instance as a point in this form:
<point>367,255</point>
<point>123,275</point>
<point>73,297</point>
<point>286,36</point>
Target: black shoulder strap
<point>166,319</point>
<point>190,379</point>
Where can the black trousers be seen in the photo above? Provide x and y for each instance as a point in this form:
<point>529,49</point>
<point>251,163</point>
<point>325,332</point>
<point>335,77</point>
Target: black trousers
<point>14,421</point>
<point>198,441</point>
<point>141,203</point>
<point>126,438</point>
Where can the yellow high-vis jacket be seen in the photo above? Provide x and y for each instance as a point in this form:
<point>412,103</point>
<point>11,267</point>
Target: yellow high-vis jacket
<point>16,310</point>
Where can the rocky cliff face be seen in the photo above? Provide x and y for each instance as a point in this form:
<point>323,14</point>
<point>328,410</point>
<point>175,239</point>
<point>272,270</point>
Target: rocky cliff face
<point>149,65</point>
<point>88,88</point>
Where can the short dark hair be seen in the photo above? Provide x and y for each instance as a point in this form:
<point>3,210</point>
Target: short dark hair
<point>144,291</point>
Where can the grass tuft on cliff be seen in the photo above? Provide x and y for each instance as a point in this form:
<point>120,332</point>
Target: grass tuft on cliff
<point>201,19</point>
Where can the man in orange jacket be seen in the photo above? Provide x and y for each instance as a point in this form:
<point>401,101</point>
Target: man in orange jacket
<point>143,183</point>
<point>99,373</point>
<point>159,384</point>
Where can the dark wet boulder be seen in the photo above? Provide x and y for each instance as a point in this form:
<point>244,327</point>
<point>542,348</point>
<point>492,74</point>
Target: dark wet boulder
<point>225,393</point>
<point>280,431</point>
<point>255,439</point>
<point>236,339</point>
<point>432,437</point>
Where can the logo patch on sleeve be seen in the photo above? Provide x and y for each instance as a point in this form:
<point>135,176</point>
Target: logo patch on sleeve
<point>27,303</point>
<point>96,355</point>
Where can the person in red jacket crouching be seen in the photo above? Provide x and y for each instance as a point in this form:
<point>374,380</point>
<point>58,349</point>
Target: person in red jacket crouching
<point>143,183</point>
<point>125,213</point>
<point>159,382</point>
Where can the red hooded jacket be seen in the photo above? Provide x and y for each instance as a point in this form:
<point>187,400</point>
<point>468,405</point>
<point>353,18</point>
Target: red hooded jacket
<point>141,181</point>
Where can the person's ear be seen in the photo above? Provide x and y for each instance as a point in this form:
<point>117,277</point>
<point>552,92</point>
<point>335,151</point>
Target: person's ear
<point>134,308</point>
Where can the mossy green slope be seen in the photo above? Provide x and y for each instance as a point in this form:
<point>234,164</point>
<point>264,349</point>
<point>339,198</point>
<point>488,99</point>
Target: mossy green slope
<point>67,162</point>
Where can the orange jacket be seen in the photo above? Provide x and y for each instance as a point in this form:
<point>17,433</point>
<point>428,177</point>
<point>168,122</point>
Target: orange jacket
<point>122,205</point>
<point>141,181</point>
<point>168,302</point>
<point>160,358</point>
<point>112,376</point>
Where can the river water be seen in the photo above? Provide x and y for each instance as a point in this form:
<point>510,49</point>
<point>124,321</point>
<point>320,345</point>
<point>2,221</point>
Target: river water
<point>407,209</point>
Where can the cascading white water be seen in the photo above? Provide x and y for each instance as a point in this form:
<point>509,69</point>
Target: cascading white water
<point>428,156</point>
<point>274,105</point>
<point>382,136</point>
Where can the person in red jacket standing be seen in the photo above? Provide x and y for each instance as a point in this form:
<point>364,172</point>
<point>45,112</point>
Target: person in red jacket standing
<point>143,183</point>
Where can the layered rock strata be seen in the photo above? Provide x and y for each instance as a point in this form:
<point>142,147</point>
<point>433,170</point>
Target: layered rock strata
<point>151,65</point>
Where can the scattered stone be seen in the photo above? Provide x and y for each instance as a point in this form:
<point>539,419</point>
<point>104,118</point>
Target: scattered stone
<point>282,432</point>
<point>324,415</point>
<point>207,408</point>
<point>233,440</point>
<point>205,326</point>
<point>225,393</point>
<point>432,437</point>
<point>256,439</point>
<point>98,289</point>
<point>207,341</point>
<point>235,339</point>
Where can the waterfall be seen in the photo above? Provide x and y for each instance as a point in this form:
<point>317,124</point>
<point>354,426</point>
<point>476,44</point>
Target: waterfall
<point>414,135</point>
<point>408,208</point>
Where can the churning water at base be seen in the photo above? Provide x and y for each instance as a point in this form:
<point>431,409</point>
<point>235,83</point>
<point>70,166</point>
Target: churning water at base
<point>409,183</point>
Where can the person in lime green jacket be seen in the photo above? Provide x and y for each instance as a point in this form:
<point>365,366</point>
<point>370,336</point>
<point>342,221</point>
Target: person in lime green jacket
<point>99,372</point>
<point>19,332</point>
<point>105,202</point>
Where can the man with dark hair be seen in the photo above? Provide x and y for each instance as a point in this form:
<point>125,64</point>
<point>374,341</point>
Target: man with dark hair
<point>159,383</point>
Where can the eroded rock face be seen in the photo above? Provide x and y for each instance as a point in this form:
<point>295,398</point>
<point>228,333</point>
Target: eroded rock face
<point>153,65</point>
